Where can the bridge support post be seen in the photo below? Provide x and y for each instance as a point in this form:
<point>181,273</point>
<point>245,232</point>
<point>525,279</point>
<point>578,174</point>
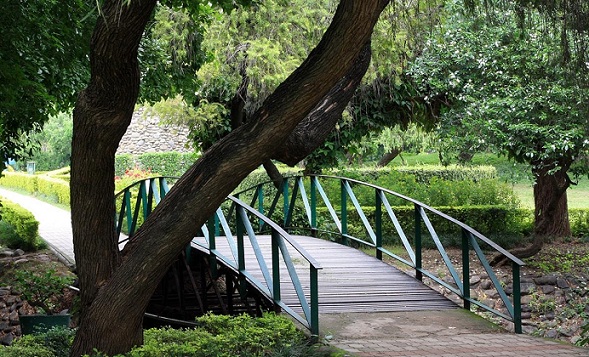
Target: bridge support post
<point>344,212</point>
<point>517,299</point>
<point>465,269</point>
<point>378,223</point>
<point>418,259</point>
<point>314,323</point>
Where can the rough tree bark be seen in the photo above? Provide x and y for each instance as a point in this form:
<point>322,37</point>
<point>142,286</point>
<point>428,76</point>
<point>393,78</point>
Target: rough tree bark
<point>116,290</point>
<point>551,218</point>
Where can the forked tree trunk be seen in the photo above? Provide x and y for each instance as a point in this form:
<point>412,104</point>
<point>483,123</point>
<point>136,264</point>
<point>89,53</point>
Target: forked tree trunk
<point>116,291</point>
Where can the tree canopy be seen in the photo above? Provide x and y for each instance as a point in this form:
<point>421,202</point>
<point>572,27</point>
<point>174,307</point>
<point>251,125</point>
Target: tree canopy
<point>511,88</point>
<point>43,63</point>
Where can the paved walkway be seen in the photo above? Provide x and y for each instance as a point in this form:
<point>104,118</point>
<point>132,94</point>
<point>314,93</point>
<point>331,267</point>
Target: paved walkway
<point>454,332</point>
<point>55,225</point>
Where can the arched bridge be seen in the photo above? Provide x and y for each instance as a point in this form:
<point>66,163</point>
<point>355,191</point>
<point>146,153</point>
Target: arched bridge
<point>277,248</point>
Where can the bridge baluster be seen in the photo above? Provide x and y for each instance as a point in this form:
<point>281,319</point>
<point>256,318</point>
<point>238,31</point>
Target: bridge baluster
<point>418,259</point>
<point>378,222</point>
<point>466,268</point>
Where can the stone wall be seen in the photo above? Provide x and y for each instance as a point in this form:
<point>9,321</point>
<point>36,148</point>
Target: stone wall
<point>147,134</point>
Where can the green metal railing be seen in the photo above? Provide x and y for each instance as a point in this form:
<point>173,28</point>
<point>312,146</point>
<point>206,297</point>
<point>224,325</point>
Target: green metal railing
<point>232,223</point>
<point>340,223</point>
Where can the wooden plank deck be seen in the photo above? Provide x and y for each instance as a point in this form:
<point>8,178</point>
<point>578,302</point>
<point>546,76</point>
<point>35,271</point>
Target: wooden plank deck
<point>350,281</point>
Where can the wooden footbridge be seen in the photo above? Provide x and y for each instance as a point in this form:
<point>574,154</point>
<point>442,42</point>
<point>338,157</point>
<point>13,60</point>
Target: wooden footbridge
<point>296,250</point>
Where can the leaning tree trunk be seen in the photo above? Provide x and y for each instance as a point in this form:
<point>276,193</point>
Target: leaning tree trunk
<point>551,218</point>
<point>388,157</point>
<point>121,288</point>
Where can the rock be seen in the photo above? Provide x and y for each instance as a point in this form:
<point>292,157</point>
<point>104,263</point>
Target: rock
<point>546,280</point>
<point>7,253</point>
<point>551,334</point>
<point>19,253</point>
<point>527,288</point>
<point>562,283</point>
<point>491,293</point>
<point>486,284</point>
<point>526,315</point>
<point>13,318</point>
<point>547,289</point>
<point>529,329</point>
<point>474,280</point>
<point>7,339</point>
<point>21,261</point>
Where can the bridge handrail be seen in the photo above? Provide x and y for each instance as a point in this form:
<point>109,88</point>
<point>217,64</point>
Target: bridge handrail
<point>474,232</point>
<point>469,236</point>
<point>308,257</point>
<point>152,190</point>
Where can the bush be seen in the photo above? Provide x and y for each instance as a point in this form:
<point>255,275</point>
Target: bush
<point>51,187</point>
<point>218,335</point>
<point>25,227</point>
<point>503,224</point>
<point>172,163</point>
<point>56,342</point>
<point>20,180</point>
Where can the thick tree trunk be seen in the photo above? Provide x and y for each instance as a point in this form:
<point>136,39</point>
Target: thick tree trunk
<point>316,127</point>
<point>115,297</point>
<point>388,157</point>
<point>551,218</point>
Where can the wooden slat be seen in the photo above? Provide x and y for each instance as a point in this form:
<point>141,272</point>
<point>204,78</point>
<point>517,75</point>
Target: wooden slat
<point>350,280</point>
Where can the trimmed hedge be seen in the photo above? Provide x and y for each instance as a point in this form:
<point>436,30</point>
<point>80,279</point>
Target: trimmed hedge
<point>164,163</point>
<point>422,173</point>
<point>51,187</point>
<point>24,224</point>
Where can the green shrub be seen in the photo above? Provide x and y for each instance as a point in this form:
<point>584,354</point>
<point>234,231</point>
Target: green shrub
<point>50,187</point>
<point>54,188</point>
<point>24,224</point>
<point>20,180</point>
<point>226,336</point>
<point>123,162</point>
<point>579,220</point>
<point>171,163</point>
<point>56,342</point>
<point>503,224</point>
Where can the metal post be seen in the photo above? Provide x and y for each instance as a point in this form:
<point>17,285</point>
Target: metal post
<point>313,206</point>
<point>240,252</point>
<point>212,247</point>
<point>314,323</point>
<point>418,274</point>
<point>517,299</point>
<point>378,222</point>
<point>466,269</point>
<point>275,269</point>
<point>344,212</point>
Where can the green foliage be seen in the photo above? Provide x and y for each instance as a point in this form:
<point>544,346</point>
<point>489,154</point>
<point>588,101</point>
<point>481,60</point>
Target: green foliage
<point>55,342</point>
<point>43,63</point>
<point>23,224</point>
<point>42,290</point>
<point>50,148</point>
<point>503,224</point>
<point>508,88</point>
<point>226,336</point>
<point>554,260</point>
<point>122,163</point>
<point>172,164</point>
<point>51,187</point>
<point>167,164</point>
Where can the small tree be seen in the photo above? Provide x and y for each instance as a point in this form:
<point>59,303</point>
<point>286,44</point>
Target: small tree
<point>509,88</point>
